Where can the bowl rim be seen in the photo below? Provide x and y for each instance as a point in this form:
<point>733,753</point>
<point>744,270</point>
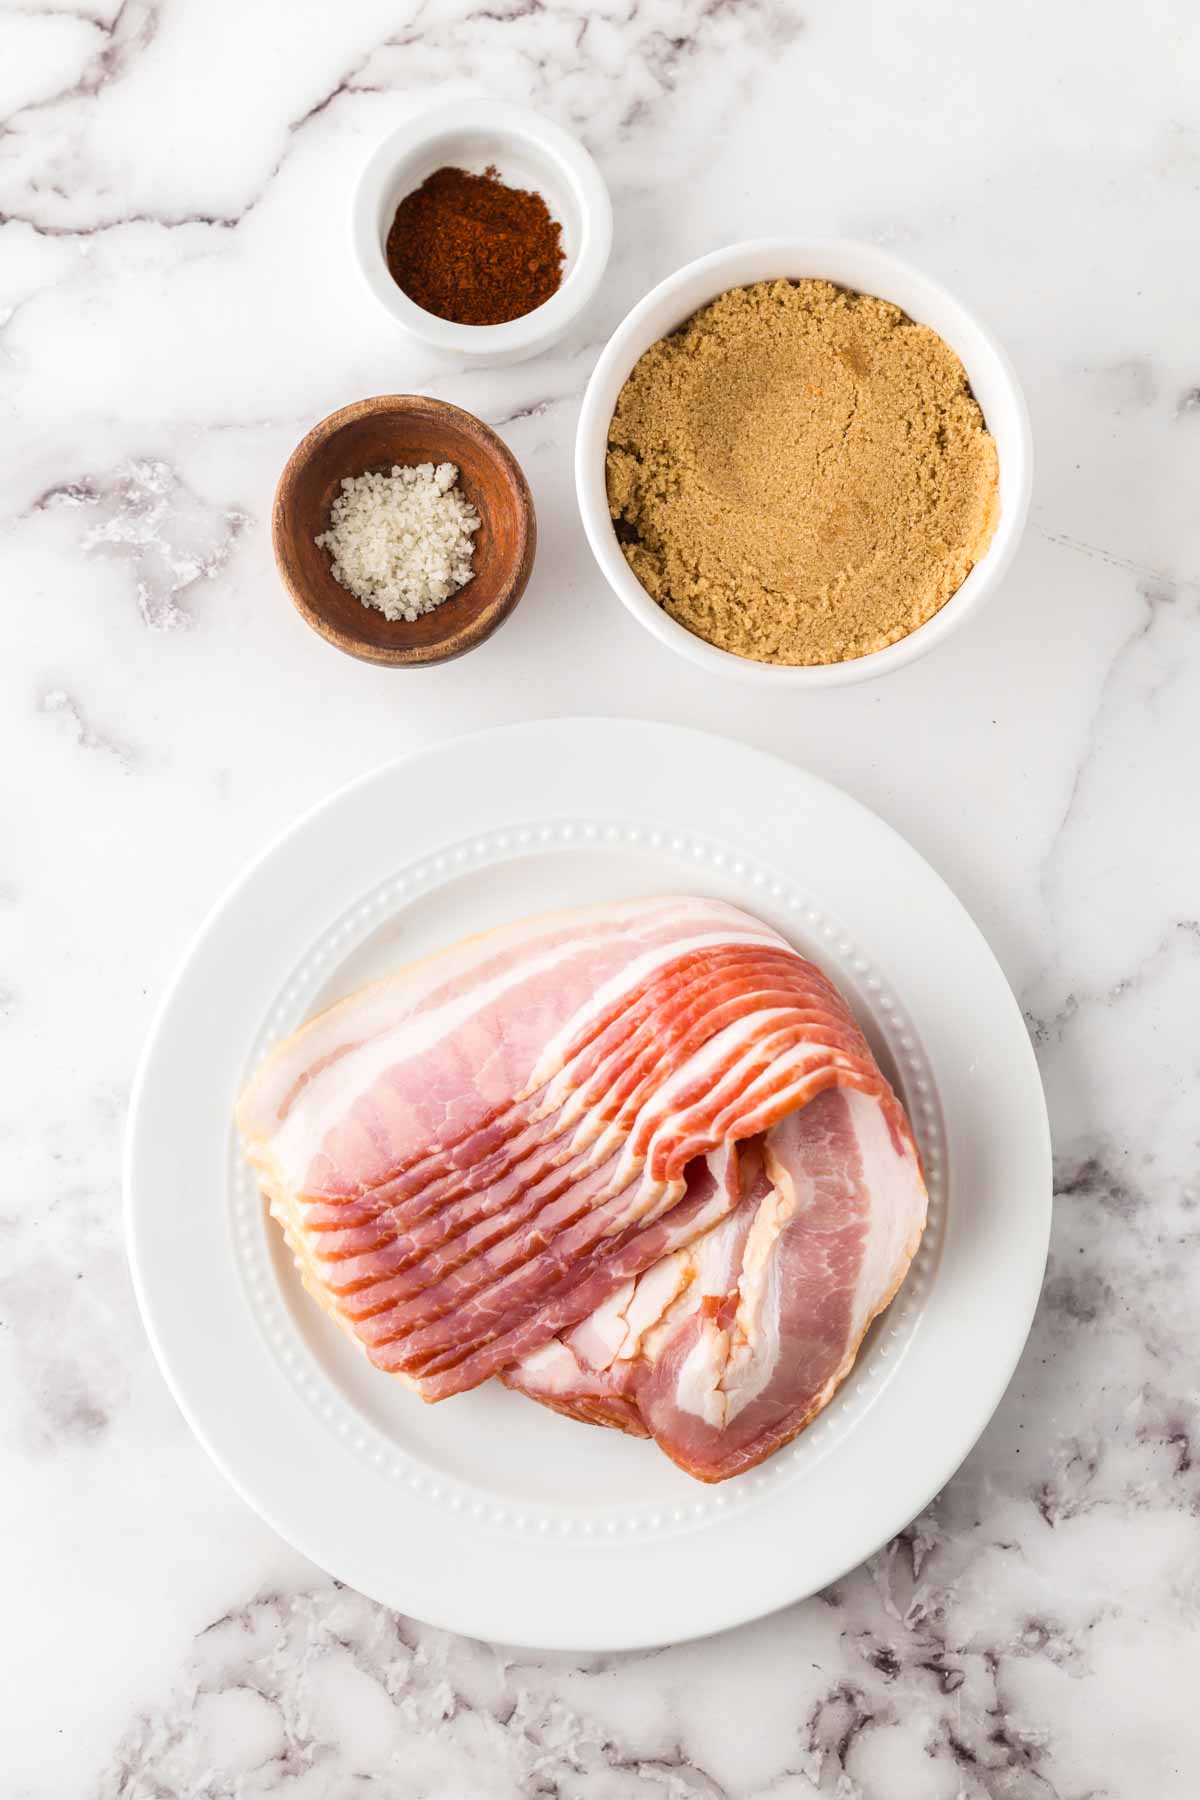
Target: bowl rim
<point>516,123</point>
<point>516,577</point>
<point>591,439</point>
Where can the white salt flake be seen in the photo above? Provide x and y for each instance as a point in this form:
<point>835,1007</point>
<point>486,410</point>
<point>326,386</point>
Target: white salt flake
<point>402,542</point>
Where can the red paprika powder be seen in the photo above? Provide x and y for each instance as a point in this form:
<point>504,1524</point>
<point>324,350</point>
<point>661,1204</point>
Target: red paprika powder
<point>470,249</point>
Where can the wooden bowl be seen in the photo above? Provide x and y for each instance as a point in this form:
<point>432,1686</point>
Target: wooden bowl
<point>373,435</point>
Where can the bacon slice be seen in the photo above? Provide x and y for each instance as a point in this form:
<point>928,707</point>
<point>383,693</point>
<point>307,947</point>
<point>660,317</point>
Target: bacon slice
<point>637,1160</point>
<point>725,1351</point>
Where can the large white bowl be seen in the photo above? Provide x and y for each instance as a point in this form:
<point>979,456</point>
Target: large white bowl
<point>529,152</point>
<point>850,265</point>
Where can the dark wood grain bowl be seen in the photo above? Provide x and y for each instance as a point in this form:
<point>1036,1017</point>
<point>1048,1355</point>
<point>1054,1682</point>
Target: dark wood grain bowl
<point>373,435</point>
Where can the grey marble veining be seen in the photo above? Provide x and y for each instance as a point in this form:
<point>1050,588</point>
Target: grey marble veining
<point>177,305</point>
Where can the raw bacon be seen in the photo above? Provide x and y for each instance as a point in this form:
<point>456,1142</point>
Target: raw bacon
<point>636,1160</point>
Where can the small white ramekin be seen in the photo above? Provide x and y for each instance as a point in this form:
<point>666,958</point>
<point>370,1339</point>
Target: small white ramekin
<point>849,265</point>
<point>529,152</point>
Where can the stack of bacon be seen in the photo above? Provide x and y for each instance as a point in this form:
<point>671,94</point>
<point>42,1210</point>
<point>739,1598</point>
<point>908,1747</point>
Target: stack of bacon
<point>636,1160</point>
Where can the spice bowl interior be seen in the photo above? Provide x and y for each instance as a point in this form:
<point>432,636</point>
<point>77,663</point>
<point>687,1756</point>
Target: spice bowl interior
<point>527,151</point>
<point>373,436</point>
<point>864,269</point>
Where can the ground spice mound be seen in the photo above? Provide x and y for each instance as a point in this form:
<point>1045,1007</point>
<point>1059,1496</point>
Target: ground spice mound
<point>801,474</point>
<point>470,249</point>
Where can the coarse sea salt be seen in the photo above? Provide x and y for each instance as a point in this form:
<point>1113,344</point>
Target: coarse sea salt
<point>402,542</point>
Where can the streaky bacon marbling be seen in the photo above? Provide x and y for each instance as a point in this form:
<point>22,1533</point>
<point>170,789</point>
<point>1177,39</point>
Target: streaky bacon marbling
<point>636,1159</point>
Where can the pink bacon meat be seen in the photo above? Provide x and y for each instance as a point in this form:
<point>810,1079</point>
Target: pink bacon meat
<point>637,1160</point>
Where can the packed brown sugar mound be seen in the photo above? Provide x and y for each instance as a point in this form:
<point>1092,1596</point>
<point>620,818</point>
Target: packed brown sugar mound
<point>801,474</point>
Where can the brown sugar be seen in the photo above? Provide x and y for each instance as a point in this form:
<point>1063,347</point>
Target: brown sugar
<point>801,474</point>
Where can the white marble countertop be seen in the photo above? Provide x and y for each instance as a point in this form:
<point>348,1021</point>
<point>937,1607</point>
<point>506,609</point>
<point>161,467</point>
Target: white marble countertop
<point>177,305</point>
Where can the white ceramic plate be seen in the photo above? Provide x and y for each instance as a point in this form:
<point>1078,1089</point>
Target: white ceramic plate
<point>488,1514</point>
